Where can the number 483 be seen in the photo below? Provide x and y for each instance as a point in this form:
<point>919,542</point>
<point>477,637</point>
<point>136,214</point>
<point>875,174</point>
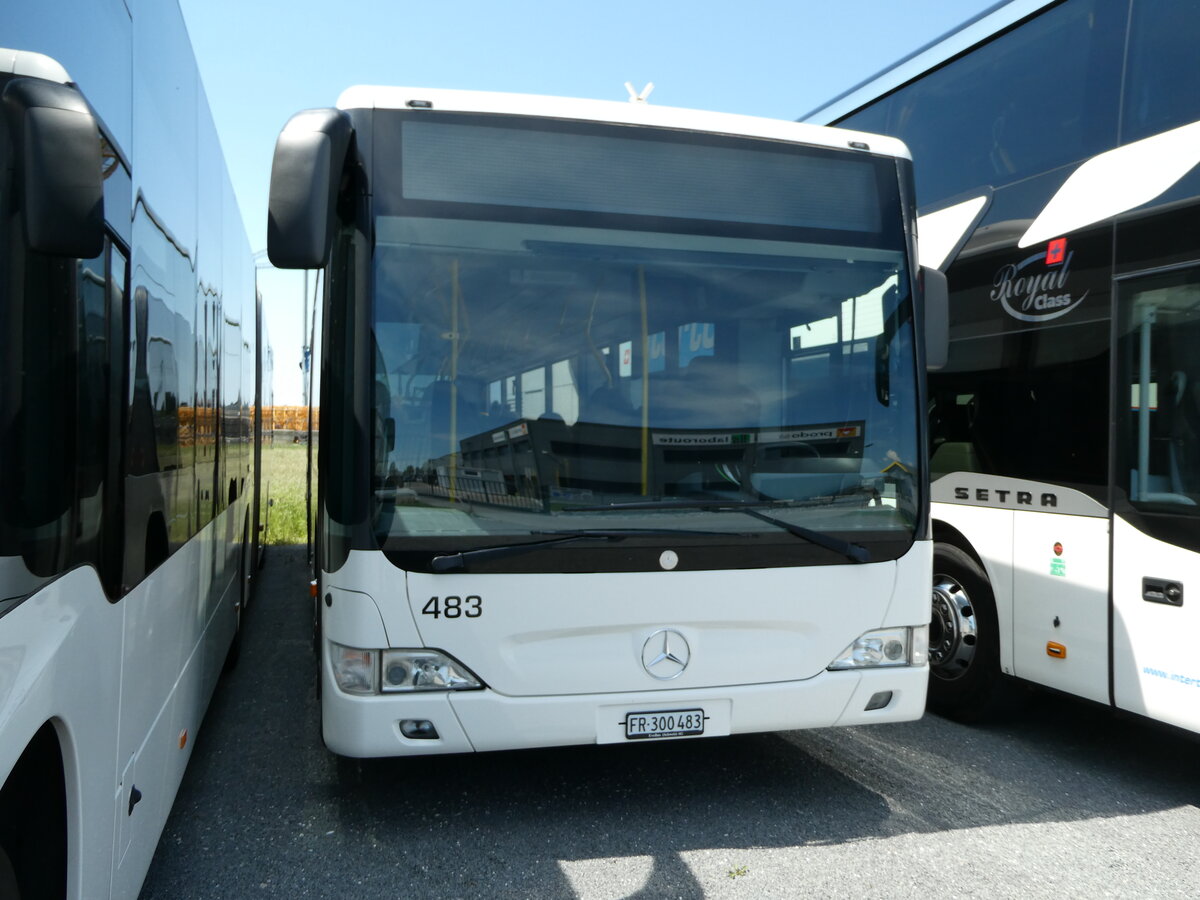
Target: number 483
<point>454,607</point>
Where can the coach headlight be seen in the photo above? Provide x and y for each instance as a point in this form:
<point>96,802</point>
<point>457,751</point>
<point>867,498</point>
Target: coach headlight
<point>424,670</point>
<point>886,647</point>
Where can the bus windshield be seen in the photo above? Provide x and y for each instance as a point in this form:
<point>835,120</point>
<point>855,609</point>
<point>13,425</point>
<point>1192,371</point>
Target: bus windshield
<point>544,365</point>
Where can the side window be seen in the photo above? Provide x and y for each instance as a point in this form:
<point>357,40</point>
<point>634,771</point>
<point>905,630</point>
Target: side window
<point>99,319</point>
<point>1162,89</point>
<point>92,408</point>
<point>1039,97</point>
<point>1158,393</point>
<point>39,434</point>
<point>60,416</point>
<point>110,551</point>
<point>1025,405</point>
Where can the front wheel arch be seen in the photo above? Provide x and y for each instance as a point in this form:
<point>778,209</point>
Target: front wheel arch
<point>33,820</point>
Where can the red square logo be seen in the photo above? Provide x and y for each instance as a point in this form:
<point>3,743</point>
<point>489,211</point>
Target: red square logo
<point>1056,252</point>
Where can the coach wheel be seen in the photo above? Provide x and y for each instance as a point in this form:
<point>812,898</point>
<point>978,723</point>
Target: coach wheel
<point>953,629</point>
<point>964,640</point>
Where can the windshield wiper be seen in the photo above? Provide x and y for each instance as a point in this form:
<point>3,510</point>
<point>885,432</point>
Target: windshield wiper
<point>853,552</point>
<point>455,561</point>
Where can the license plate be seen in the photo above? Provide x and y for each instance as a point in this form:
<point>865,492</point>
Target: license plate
<point>664,723</point>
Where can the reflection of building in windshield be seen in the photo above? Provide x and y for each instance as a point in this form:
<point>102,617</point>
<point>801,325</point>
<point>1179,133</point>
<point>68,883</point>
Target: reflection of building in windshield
<point>531,463</point>
<point>724,370</point>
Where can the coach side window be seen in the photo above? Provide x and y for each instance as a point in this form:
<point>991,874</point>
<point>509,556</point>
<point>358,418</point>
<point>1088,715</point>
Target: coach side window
<point>1162,89</point>
<point>1039,97</point>
<point>1160,374</point>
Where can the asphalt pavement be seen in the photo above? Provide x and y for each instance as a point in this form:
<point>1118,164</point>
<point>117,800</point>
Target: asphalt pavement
<point>1060,799</point>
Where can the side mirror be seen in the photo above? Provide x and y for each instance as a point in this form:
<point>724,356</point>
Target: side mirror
<point>305,175</point>
<point>56,143</point>
<point>937,318</point>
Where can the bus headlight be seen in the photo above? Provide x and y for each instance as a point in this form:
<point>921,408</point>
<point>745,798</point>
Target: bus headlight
<point>886,647</point>
<point>424,670</point>
<point>353,669</point>
<point>358,671</point>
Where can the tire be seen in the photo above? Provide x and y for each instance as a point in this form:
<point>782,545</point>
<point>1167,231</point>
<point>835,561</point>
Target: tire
<point>965,681</point>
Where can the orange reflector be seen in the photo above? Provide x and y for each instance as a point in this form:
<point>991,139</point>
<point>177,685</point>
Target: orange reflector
<point>1055,649</point>
<point>183,739</point>
<point>312,589</point>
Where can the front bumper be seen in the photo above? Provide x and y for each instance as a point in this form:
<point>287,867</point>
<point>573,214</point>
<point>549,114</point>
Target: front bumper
<point>467,721</point>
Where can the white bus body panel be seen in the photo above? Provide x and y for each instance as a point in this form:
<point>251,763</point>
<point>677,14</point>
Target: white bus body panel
<point>1061,599</point>
<point>1041,597</point>
<point>1156,646</point>
<point>562,654</point>
<point>57,665</point>
<point>178,626</point>
<point>571,634</point>
<point>1155,668</point>
<point>66,656</point>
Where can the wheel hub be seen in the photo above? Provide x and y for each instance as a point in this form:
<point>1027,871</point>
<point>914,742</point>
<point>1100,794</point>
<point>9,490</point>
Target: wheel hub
<point>953,630</point>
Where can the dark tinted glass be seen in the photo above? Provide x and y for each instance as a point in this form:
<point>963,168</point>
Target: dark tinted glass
<point>1158,393</point>
<point>1025,392</point>
<point>56,448</point>
<point>163,423</point>
<point>502,165</point>
<point>1039,97</point>
<point>92,406</point>
<point>38,448</point>
<point>515,169</point>
<point>1045,422</point>
<point>1162,89</point>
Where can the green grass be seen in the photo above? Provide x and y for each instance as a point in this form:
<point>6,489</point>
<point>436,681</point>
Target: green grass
<point>284,467</point>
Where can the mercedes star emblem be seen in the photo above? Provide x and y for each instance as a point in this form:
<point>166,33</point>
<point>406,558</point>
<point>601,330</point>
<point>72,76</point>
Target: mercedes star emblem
<point>665,654</point>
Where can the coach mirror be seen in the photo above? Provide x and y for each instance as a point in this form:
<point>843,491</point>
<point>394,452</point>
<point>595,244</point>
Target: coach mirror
<point>56,145</point>
<point>305,175</point>
<point>937,322</point>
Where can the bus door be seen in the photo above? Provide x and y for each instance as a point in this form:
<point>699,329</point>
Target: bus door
<point>1156,524</point>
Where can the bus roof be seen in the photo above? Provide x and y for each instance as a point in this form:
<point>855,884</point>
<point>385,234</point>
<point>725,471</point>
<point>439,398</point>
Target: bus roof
<point>969,34</point>
<point>629,113</point>
<point>25,63</point>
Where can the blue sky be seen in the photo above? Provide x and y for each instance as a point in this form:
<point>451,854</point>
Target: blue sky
<point>263,60</point>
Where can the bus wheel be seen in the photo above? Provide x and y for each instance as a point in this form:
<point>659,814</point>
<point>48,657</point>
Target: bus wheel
<point>964,639</point>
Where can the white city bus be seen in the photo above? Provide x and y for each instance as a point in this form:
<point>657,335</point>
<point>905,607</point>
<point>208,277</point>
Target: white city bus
<point>127,379</point>
<point>622,422</point>
<point>1056,149</point>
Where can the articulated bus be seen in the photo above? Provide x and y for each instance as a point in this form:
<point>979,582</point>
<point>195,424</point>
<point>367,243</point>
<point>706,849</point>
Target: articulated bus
<point>127,295</point>
<point>1056,149</point>
<point>622,421</point>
